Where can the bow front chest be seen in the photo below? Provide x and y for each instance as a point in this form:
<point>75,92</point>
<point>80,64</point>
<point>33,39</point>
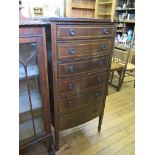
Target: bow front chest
<point>79,63</point>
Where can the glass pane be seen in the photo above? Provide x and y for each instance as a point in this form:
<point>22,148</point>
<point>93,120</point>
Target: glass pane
<point>39,125</point>
<point>22,73</point>
<point>26,50</point>
<point>24,100</point>
<point>28,59</point>
<point>35,93</point>
<point>30,101</point>
<point>24,103</point>
<point>26,130</point>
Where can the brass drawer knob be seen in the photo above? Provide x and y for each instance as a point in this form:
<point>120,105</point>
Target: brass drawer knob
<point>72,51</point>
<point>72,32</point>
<point>71,69</point>
<point>70,86</point>
<point>70,103</point>
<point>103,47</point>
<point>101,63</point>
<point>99,79</point>
<point>97,94</point>
<point>106,31</point>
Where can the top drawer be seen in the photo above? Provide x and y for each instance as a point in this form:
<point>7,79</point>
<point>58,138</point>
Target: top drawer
<point>84,31</point>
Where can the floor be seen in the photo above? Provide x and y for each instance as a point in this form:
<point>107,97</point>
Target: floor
<point>117,136</point>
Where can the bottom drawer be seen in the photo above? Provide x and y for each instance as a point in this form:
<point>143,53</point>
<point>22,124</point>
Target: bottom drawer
<point>79,117</point>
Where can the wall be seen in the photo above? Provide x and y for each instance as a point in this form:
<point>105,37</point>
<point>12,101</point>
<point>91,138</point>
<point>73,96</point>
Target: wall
<point>51,8</point>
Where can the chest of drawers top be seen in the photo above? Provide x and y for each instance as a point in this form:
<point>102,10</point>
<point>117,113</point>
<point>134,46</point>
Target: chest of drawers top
<point>82,28</point>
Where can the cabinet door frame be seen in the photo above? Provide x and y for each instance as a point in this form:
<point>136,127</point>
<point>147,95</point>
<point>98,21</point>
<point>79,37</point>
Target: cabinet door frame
<point>43,80</point>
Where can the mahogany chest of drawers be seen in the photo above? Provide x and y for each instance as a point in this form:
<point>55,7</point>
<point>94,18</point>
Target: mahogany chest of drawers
<point>79,69</point>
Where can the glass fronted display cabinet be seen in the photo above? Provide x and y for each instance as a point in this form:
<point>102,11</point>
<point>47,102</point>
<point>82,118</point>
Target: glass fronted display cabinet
<point>34,106</point>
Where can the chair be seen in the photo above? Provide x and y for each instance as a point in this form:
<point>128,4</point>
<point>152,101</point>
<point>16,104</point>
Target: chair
<point>129,73</point>
<point>118,67</point>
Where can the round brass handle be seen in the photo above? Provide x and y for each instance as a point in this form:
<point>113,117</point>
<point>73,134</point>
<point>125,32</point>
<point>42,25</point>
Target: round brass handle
<point>72,51</point>
<point>71,69</point>
<point>70,103</point>
<point>72,32</point>
<point>70,86</point>
<point>97,94</point>
<point>103,47</point>
<point>101,63</point>
<point>99,79</point>
<point>106,31</point>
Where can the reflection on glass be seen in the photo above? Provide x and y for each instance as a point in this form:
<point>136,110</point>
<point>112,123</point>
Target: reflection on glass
<point>34,95</point>
<point>26,130</point>
<point>31,71</point>
<point>30,101</point>
<point>39,125</point>
<point>28,59</point>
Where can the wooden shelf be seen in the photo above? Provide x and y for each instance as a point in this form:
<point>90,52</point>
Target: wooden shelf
<point>80,8</point>
<point>119,31</point>
<point>127,21</point>
<point>105,9</point>
<point>120,47</point>
<point>130,8</point>
<point>86,8</point>
<point>125,9</point>
<point>105,3</point>
<point>120,26</point>
<point>104,14</point>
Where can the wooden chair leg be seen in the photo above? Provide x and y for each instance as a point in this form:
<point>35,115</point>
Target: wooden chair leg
<point>108,84</point>
<point>111,77</point>
<point>122,75</point>
<point>119,80</point>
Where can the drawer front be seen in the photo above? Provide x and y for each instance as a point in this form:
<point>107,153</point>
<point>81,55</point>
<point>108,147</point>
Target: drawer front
<point>79,117</point>
<point>80,49</point>
<point>77,86</point>
<point>83,66</point>
<point>84,31</point>
<point>82,101</point>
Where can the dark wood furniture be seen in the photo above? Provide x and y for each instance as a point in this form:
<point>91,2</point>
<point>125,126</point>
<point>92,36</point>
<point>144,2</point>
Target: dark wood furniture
<point>80,63</point>
<point>34,105</point>
<point>129,73</point>
<point>118,67</point>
